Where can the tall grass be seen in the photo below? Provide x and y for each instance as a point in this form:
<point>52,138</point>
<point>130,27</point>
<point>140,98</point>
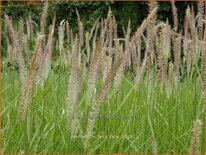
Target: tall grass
<point>105,94</point>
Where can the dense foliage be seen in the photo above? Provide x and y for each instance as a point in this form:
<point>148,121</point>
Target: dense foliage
<point>90,11</point>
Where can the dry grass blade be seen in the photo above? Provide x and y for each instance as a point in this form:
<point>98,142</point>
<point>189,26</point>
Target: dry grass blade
<point>26,48</point>
<point>43,18</point>
<point>151,37</point>
<point>87,45</point>
<point>31,27</point>
<point>81,29</point>
<point>175,16</point>
<point>160,58</point>
<point>73,89</point>
<point>100,98</point>
<point>61,34</point>
<point>106,64</point>
<point>45,59</point>
<point>110,28</point>
<point>93,70</point>
<point>144,24</point>
<point>11,54</point>
<point>16,45</point>
<point>29,85</point>
<point>195,139</point>
<point>93,28</point>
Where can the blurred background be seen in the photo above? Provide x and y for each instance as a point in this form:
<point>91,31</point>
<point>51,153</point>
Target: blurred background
<point>90,11</point>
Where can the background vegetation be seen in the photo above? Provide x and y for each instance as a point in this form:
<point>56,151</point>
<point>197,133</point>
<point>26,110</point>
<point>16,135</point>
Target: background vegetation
<point>90,11</point>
